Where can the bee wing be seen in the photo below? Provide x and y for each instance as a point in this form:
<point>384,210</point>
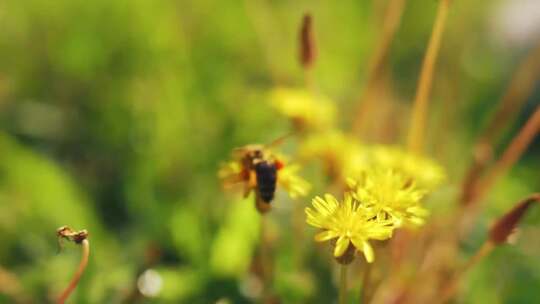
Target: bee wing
<point>231,181</point>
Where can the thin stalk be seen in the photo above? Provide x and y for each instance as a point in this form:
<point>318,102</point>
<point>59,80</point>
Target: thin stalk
<point>77,276</point>
<point>392,19</point>
<point>415,140</point>
<point>516,94</point>
<point>452,287</point>
<point>510,156</point>
<point>520,87</point>
<point>309,81</point>
<point>364,296</point>
<point>342,284</point>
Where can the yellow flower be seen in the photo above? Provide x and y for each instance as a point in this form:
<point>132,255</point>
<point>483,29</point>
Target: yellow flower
<point>306,110</point>
<point>390,195</point>
<point>292,182</point>
<point>426,172</point>
<point>341,155</point>
<point>348,222</point>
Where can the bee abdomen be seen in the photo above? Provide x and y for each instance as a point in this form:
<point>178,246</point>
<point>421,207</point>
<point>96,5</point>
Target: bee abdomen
<point>266,180</point>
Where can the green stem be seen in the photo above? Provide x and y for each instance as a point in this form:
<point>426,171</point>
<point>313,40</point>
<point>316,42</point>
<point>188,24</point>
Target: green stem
<point>364,296</point>
<point>343,284</point>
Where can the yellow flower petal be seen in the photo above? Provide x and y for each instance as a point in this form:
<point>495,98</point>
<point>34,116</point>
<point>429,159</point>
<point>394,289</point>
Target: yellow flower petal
<point>368,252</point>
<point>341,245</point>
<point>325,236</point>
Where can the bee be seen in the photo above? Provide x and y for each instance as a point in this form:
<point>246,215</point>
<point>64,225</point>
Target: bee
<point>258,172</point>
<point>66,233</point>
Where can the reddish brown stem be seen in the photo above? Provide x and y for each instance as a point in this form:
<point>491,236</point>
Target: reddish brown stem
<point>514,151</point>
<point>518,90</point>
<point>77,276</point>
<point>520,87</point>
<point>498,235</point>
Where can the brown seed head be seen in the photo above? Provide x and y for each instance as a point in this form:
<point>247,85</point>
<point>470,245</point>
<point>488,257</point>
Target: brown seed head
<point>308,50</point>
<point>504,227</point>
<point>80,236</point>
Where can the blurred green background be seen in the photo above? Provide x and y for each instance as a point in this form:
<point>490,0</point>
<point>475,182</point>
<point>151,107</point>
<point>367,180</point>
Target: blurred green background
<point>115,115</point>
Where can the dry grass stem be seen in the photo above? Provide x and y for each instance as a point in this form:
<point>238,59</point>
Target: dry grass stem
<point>416,136</point>
<point>519,89</point>
<point>509,157</point>
<point>392,20</point>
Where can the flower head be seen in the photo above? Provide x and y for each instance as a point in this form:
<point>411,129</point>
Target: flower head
<point>349,223</point>
<point>426,172</point>
<point>304,109</point>
<point>391,196</point>
<point>341,155</point>
<point>289,179</point>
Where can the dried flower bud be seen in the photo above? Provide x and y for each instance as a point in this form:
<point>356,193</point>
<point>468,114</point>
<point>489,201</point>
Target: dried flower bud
<point>80,236</point>
<point>308,50</point>
<point>504,227</point>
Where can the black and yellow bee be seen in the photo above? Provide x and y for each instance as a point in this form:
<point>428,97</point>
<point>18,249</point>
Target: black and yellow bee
<point>259,172</point>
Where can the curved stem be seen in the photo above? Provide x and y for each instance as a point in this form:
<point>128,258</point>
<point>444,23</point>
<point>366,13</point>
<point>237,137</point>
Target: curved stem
<point>342,284</point>
<point>77,276</point>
